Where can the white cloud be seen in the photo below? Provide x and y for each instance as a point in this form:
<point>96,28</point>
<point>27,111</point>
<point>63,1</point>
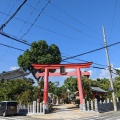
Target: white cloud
<point>13,68</point>
<point>70,70</point>
<point>67,70</point>
<point>103,74</point>
<point>91,72</point>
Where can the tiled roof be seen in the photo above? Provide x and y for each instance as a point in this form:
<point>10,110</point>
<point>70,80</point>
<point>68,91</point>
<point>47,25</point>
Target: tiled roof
<point>97,89</point>
<point>9,72</point>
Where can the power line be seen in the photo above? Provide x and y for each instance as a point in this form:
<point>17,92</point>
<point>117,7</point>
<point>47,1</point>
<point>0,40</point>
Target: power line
<point>46,29</point>
<point>66,57</point>
<point>87,61</point>
<point>3,25</point>
<point>36,19</point>
<point>29,17</point>
<point>11,47</point>
<point>70,26</point>
<point>91,51</point>
<point>10,10</point>
<point>75,19</point>
<point>64,23</point>
<point>113,18</point>
<point>14,38</point>
<point>5,10</point>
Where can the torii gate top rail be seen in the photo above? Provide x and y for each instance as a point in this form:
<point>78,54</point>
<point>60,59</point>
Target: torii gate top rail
<point>57,66</point>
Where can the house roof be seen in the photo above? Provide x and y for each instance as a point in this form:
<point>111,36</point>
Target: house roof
<point>23,73</point>
<point>97,89</point>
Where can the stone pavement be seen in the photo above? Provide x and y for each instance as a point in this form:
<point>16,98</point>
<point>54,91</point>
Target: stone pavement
<point>65,111</point>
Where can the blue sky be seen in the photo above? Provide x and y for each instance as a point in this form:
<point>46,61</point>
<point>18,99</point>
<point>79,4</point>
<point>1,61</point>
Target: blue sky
<point>75,26</point>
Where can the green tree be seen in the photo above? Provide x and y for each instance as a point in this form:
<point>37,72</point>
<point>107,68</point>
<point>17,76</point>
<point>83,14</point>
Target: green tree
<point>117,86</point>
<point>71,84</point>
<point>86,83</point>
<point>39,53</point>
<point>104,83</point>
<point>16,89</point>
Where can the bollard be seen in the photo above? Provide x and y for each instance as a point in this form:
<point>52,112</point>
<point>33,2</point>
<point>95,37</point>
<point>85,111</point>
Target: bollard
<point>84,107</point>
<point>91,105</point>
<point>88,108</point>
<point>34,106</point>
<point>43,107</point>
<point>96,105</point>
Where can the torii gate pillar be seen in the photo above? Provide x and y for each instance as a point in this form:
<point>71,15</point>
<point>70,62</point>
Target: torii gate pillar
<point>45,97</point>
<point>80,86</point>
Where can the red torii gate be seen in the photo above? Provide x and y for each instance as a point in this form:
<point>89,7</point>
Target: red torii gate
<point>77,73</point>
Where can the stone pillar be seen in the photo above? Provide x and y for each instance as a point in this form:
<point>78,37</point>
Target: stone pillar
<point>96,105</point>
<point>108,104</point>
<point>34,106</point>
<point>88,108</point>
<point>84,106</point>
<point>31,108</point>
<point>41,108</point>
<point>118,103</point>
<point>91,105</point>
<point>28,107</point>
<point>38,105</point>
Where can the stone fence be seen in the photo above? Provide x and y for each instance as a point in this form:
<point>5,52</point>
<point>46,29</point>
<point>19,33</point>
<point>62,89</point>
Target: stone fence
<point>34,108</point>
<point>95,106</point>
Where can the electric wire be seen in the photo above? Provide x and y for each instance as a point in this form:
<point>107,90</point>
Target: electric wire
<point>91,51</point>
<point>65,24</point>
<point>71,27</point>
<point>96,67</point>
<point>85,61</point>
<point>36,19</point>
<point>5,10</point>
<point>10,10</point>
<point>71,57</point>
<point>11,17</point>
<point>15,39</point>
<point>75,19</point>
<point>113,19</point>
<point>29,17</point>
<point>11,47</point>
<point>3,25</point>
<point>46,29</point>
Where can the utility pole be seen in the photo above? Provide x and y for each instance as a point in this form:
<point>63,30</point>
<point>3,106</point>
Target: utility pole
<point>109,69</point>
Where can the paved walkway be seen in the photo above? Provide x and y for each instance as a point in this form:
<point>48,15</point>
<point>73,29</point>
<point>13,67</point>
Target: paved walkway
<point>66,111</point>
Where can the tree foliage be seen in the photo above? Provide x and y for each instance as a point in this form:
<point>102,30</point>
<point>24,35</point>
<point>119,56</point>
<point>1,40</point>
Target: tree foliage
<point>20,90</point>
<point>39,53</point>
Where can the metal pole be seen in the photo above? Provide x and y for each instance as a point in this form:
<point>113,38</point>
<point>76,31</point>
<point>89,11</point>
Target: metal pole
<point>109,69</point>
